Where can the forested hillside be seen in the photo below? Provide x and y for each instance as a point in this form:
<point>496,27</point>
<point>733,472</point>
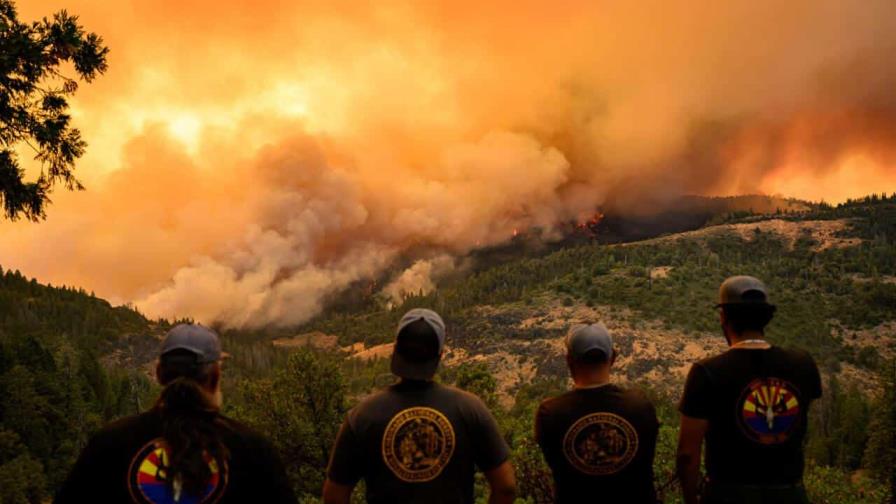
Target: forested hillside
<point>70,361</point>
<point>54,388</point>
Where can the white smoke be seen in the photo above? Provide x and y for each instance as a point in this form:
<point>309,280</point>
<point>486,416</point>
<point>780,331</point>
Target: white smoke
<point>320,227</point>
<point>419,279</point>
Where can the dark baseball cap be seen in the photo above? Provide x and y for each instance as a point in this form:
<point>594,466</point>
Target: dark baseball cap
<point>584,338</point>
<point>428,325</point>
<point>196,339</point>
<point>742,290</point>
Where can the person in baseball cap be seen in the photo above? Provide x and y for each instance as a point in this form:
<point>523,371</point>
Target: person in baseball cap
<point>194,342</point>
<point>745,309</point>
<point>419,441</point>
<point>183,449</point>
<point>419,344</point>
<point>599,439</point>
<point>749,405</point>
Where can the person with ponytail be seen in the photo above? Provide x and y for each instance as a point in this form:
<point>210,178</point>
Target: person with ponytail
<point>183,450</point>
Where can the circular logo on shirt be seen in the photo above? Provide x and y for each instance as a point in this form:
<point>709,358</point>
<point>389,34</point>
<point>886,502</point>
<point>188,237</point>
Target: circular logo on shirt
<point>600,444</point>
<point>769,410</point>
<point>148,478</point>
<point>418,444</point>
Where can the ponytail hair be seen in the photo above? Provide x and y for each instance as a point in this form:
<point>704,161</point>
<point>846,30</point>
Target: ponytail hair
<point>188,422</point>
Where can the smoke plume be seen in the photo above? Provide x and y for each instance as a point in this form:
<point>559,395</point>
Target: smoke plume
<point>419,279</point>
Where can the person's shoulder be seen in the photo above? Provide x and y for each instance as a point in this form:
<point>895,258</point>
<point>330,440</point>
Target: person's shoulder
<point>372,401</point>
<point>557,402</point>
<point>370,407</point>
<point>635,396</point>
<point>795,354</point>
<point>129,422</point>
<point>122,433</point>
<point>797,359</point>
<point>716,360</point>
<point>125,426</point>
<point>248,436</point>
<point>235,426</point>
<point>637,402</point>
<point>461,396</point>
<point>467,404</point>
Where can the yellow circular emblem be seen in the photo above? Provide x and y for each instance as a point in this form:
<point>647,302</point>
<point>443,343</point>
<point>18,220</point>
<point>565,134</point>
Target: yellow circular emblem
<point>600,444</point>
<point>418,444</point>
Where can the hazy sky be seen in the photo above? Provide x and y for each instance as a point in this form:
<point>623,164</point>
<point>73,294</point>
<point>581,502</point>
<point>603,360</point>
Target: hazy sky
<point>247,159</point>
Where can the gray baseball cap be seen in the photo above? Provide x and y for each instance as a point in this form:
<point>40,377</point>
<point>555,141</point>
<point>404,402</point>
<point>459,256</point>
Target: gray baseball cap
<point>418,370</point>
<point>583,338</point>
<point>197,339</point>
<point>743,289</point>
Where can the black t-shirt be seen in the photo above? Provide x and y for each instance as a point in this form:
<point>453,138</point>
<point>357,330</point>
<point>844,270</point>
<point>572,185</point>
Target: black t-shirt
<point>124,462</point>
<point>757,403</point>
<point>600,443</point>
<point>417,442</point>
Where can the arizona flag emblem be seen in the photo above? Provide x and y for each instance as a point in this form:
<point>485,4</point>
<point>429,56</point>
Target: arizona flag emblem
<point>769,410</point>
<point>148,478</point>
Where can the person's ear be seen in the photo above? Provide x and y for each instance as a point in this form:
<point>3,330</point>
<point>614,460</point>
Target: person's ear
<point>613,357</point>
<point>570,364</point>
<point>215,375</point>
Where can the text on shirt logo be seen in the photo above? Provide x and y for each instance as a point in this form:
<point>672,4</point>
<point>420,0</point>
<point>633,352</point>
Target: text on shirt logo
<point>418,444</point>
<point>600,444</point>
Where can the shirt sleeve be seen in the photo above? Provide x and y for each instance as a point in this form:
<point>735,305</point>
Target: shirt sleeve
<point>814,380</point>
<point>540,425</point>
<point>544,434</point>
<point>696,400</point>
<point>653,429</point>
<point>652,416</point>
<point>84,482</point>
<point>489,448</point>
<point>346,461</point>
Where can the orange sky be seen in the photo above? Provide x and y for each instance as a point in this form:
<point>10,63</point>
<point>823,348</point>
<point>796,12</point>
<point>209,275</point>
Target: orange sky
<point>246,159</point>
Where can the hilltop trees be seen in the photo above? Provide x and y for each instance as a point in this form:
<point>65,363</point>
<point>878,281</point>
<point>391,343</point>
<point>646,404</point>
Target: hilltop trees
<point>880,453</point>
<point>33,104</point>
<point>54,392</point>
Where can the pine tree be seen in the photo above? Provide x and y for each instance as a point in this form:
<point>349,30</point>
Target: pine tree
<point>880,454</point>
<point>33,106</point>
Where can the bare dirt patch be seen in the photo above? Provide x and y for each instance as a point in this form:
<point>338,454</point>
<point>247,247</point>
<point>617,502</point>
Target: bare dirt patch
<point>882,338</point>
<point>824,233</point>
<point>660,272</point>
<point>314,339</point>
<point>375,352</point>
<point>882,279</point>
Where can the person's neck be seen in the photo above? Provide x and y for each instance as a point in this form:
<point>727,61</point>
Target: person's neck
<point>748,338</point>
<point>592,380</point>
<point>412,381</point>
<point>216,400</point>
